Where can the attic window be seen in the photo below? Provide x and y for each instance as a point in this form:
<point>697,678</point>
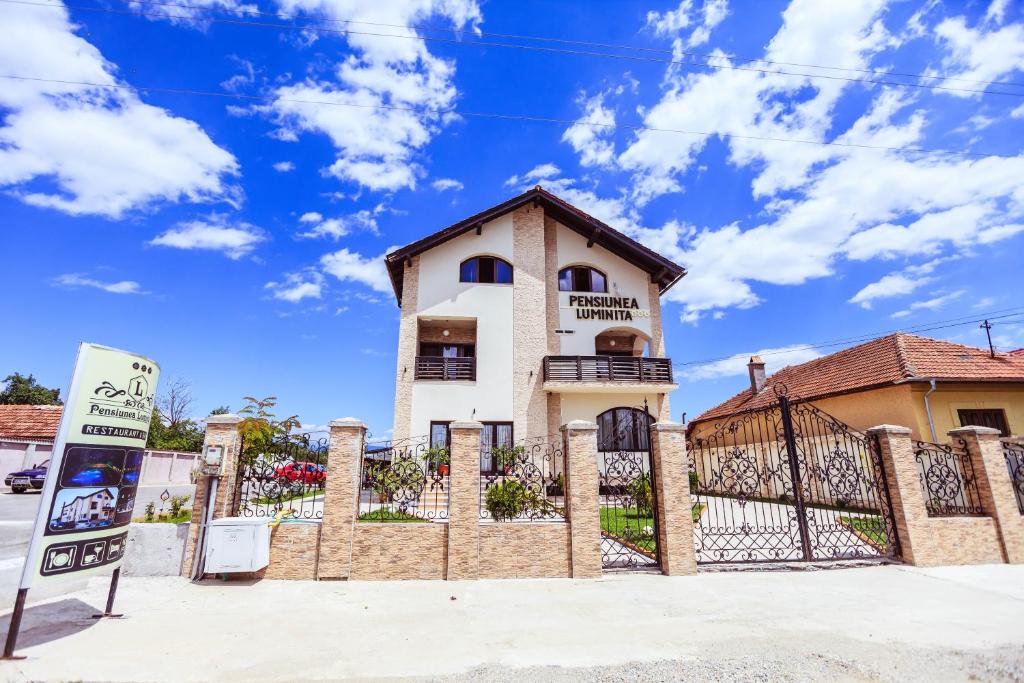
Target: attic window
<point>582,279</point>
<point>486,270</point>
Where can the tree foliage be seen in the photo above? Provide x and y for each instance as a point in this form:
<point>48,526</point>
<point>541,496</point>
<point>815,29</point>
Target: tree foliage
<point>260,427</point>
<point>170,427</point>
<point>25,390</point>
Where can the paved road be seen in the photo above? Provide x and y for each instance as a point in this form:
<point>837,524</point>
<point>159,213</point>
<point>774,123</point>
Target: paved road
<point>16,507</point>
<point>889,623</point>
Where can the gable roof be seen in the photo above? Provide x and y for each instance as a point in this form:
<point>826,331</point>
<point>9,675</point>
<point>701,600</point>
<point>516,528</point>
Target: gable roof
<point>29,423</point>
<point>662,270</point>
<point>885,361</point>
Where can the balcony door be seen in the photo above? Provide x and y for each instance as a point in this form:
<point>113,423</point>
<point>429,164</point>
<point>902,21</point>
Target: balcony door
<point>494,434</point>
<point>438,350</point>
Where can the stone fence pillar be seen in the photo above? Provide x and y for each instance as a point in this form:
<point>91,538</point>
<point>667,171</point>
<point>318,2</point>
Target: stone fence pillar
<point>221,430</point>
<point>580,438</point>
<point>464,501</point>
<point>672,498</point>
<point>341,498</point>
<point>995,488</point>
<point>908,504</point>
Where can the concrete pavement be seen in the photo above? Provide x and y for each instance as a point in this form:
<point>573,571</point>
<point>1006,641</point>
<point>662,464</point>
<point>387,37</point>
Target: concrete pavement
<point>889,622</point>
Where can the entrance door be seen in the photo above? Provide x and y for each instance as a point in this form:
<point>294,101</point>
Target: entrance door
<point>629,525</point>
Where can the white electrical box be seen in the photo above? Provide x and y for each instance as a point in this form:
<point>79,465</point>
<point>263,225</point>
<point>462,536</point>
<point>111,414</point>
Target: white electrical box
<point>237,544</point>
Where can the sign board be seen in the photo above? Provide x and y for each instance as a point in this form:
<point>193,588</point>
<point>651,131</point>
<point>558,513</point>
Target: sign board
<point>604,307</point>
<point>89,495</point>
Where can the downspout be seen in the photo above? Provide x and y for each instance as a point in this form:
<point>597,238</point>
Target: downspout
<point>928,411</point>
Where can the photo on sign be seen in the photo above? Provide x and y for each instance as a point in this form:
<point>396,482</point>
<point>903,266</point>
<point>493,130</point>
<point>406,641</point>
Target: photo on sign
<point>125,505</point>
<point>93,466</point>
<point>83,509</point>
<point>132,468</point>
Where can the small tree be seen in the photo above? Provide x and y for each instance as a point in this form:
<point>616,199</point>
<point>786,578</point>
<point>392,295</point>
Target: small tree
<point>641,492</point>
<point>25,390</point>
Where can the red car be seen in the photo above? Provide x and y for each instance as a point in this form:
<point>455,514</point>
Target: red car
<point>302,472</point>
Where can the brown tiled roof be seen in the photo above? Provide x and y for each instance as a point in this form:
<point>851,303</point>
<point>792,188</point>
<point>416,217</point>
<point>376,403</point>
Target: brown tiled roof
<point>29,423</point>
<point>887,360</point>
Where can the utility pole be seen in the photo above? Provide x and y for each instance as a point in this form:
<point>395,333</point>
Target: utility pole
<point>987,326</point>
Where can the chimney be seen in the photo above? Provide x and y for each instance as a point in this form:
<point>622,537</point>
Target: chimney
<point>756,370</point>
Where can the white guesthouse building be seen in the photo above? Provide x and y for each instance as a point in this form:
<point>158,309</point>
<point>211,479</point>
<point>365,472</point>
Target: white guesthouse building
<point>524,317</point>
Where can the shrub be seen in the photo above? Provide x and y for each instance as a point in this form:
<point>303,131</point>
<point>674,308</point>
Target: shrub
<point>694,480</point>
<point>505,457</point>
<point>150,511</point>
<point>640,491</point>
<point>177,502</point>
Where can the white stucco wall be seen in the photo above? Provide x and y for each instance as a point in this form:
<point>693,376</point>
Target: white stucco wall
<point>589,406</point>
<point>624,279</point>
<point>441,295</point>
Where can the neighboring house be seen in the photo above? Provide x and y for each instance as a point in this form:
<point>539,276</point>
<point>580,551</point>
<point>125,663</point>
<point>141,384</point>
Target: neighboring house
<point>26,435</point>
<point>928,385</point>
<point>96,507</point>
<point>526,316</point>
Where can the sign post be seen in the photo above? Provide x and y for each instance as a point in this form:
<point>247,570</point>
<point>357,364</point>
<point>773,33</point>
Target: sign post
<point>89,494</point>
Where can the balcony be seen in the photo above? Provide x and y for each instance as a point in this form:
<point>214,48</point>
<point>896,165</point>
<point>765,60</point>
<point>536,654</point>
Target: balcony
<point>587,372</point>
<point>446,369</point>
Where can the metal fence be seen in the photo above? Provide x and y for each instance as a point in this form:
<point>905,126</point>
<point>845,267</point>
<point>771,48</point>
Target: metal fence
<point>523,482</point>
<point>404,481</point>
<point>288,474</point>
<point>948,480</point>
<point>1014,453</point>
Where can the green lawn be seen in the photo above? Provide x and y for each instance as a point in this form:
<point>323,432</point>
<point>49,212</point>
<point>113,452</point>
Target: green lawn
<point>627,523</point>
<point>871,529</point>
<point>184,516</point>
<point>287,497</point>
<point>383,515</point>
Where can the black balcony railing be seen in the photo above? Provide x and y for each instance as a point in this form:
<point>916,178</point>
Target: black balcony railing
<point>438,367</point>
<point>607,369</point>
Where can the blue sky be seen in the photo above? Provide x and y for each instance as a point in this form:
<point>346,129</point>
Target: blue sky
<point>238,241</point>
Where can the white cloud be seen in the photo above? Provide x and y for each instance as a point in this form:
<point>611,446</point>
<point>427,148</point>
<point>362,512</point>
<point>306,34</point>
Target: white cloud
<point>774,359</point>
<point>245,77</point>
<point>75,280</point>
<point>349,266</point>
<point>978,54</point>
<point>442,184</point>
<point>983,302</point>
<point>1018,113</point>
<point>712,14</point>
<point>298,286</point>
<point>892,285</point>
<point>93,150</point>
<point>592,142</point>
<point>929,304</point>
<point>191,14</point>
<point>365,220</point>
<point>534,175</point>
<point>674,22</point>
<point>213,233</point>
<point>377,147</point>
<point>284,166</point>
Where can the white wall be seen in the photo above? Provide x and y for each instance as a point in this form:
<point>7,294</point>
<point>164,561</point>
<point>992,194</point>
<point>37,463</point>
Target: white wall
<point>441,295</point>
<point>624,279</point>
<point>589,406</point>
<point>19,456</point>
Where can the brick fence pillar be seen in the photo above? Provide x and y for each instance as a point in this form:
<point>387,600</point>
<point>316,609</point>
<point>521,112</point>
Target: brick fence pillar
<point>908,504</point>
<point>672,498</point>
<point>221,430</point>
<point>580,442</point>
<point>994,486</point>
<point>341,498</point>
<point>464,501</point>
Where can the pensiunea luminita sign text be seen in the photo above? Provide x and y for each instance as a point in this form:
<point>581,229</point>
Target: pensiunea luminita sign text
<point>89,494</point>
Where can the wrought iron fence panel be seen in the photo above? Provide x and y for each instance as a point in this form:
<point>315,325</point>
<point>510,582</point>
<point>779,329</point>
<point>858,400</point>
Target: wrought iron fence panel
<point>524,481</point>
<point>948,480</point>
<point>627,495</point>
<point>403,481</point>
<point>1014,453</point>
<point>845,496</point>
<point>290,474</point>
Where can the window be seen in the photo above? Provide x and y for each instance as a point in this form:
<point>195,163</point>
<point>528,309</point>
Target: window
<point>623,429</point>
<point>439,350</point>
<point>493,434</point>
<point>440,436</point>
<point>581,279</point>
<point>486,270</point>
<point>996,419</point>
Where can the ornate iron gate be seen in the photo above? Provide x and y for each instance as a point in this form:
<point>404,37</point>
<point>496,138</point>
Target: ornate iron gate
<point>788,483</point>
<point>629,524</point>
<point>288,473</point>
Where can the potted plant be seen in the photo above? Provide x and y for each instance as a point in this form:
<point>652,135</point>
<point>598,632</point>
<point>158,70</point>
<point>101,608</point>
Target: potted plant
<point>505,457</point>
<point>438,459</point>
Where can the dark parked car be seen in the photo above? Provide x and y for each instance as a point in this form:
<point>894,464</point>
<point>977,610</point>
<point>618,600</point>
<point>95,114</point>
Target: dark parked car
<point>31,478</point>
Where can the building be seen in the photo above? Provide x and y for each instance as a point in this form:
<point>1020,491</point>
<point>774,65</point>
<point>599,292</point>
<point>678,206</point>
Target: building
<point>525,316</point>
<point>97,507</point>
<point>26,435</point>
<point>928,385</point>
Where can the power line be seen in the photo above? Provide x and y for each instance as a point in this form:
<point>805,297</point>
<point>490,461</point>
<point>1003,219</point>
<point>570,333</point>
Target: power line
<point>1007,315</point>
<point>588,43</point>
<point>534,48</point>
<point>506,117</point>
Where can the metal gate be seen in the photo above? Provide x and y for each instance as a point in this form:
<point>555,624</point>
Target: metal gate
<point>626,491</point>
<point>788,483</point>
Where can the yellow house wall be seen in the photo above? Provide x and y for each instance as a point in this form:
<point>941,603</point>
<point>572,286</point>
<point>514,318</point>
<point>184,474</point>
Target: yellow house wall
<point>948,398</point>
<point>887,405</point>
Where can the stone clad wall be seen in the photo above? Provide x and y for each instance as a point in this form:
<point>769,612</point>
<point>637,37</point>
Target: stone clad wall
<point>399,551</point>
<point>519,550</point>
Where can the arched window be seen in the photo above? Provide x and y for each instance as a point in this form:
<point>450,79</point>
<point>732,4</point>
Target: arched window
<point>582,279</point>
<point>623,429</point>
<point>486,269</point>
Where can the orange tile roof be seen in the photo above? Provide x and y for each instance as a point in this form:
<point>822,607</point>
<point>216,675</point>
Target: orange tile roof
<point>29,423</point>
<point>887,360</point>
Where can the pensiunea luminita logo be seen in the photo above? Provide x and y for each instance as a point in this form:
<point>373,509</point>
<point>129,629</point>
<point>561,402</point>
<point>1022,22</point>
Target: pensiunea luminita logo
<point>127,398</point>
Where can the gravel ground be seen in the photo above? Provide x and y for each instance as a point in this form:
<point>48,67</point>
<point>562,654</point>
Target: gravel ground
<point>869,663</point>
